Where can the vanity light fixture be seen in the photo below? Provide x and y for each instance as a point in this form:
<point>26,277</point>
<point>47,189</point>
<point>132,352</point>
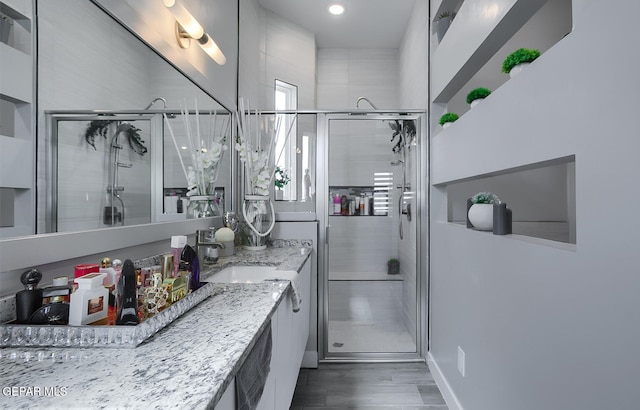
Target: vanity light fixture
<point>187,29</point>
<point>336,9</point>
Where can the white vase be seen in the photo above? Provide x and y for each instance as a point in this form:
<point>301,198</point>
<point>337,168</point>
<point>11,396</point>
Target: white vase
<point>517,69</point>
<point>279,194</point>
<point>481,216</point>
<point>476,102</point>
<point>446,124</point>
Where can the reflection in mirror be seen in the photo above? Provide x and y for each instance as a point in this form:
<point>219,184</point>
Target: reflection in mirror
<point>89,64</point>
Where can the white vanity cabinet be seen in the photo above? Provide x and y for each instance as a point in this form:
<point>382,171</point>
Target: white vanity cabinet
<point>289,332</point>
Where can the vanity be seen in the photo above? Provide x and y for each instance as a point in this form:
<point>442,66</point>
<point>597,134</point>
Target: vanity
<point>192,363</point>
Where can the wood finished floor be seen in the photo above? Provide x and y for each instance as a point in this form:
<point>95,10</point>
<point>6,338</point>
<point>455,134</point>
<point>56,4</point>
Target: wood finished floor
<point>382,386</point>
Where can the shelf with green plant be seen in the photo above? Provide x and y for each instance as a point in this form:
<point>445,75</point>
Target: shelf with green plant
<point>514,62</point>
<point>448,118</point>
<point>476,95</point>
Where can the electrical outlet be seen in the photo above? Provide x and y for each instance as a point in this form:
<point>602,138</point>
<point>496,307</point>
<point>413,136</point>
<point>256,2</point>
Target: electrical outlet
<point>461,367</point>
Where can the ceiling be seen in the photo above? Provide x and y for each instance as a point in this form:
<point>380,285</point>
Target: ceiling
<point>364,24</point>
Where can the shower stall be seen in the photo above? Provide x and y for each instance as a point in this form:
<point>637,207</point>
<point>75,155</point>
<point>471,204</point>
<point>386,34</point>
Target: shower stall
<point>371,210</point>
<point>115,168</point>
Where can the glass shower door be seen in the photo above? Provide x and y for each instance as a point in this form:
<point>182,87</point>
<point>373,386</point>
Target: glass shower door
<point>371,307</point>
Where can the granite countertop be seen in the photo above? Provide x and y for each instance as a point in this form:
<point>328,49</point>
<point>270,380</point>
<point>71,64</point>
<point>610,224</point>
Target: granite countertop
<point>188,364</point>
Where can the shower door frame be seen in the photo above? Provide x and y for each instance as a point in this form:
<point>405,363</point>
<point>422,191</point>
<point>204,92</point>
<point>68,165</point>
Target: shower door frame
<point>422,228</point>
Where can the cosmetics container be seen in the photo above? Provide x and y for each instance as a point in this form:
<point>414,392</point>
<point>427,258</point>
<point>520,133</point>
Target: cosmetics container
<point>167,266</point>
<point>177,243</point>
<point>191,257</point>
<point>127,297</point>
<point>55,304</point>
<point>90,303</point>
<point>30,299</point>
<point>85,269</point>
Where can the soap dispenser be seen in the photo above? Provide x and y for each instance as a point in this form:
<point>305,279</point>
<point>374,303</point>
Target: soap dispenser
<point>30,299</point>
<point>127,296</point>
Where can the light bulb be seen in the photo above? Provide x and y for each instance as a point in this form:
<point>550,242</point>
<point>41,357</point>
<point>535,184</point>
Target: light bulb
<point>210,47</point>
<point>186,20</point>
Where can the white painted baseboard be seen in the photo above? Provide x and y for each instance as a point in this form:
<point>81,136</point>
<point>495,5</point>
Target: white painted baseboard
<point>445,389</point>
<point>309,360</point>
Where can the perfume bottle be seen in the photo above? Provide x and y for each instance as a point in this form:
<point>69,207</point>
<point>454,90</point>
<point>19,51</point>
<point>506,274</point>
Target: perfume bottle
<point>128,295</point>
<point>30,299</point>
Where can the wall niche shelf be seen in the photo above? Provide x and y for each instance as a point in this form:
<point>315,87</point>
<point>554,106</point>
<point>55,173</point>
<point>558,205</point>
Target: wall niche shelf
<point>521,23</point>
<point>542,197</point>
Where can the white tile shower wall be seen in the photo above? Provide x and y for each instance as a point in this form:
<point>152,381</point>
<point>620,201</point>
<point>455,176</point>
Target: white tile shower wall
<point>360,243</point>
<point>67,84</point>
<point>274,49</point>
<point>346,74</point>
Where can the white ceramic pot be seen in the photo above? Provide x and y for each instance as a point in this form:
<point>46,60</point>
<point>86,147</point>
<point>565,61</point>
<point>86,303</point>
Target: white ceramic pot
<point>279,194</point>
<point>476,102</point>
<point>481,216</point>
<point>446,124</point>
<point>517,69</point>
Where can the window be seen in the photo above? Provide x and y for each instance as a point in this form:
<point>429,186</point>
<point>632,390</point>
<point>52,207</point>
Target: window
<point>286,98</point>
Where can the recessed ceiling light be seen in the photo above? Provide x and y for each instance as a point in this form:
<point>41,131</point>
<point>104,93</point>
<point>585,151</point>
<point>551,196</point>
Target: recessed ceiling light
<point>336,9</point>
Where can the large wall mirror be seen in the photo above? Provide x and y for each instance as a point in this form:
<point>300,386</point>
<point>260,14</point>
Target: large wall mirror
<point>112,131</point>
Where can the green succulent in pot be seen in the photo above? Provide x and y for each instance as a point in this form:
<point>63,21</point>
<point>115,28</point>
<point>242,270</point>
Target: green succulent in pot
<point>521,55</point>
<point>485,198</point>
<point>448,117</point>
<point>477,93</point>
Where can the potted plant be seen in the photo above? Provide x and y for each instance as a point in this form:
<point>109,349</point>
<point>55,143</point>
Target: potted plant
<point>442,23</point>
<point>476,95</point>
<point>515,61</point>
<point>448,118</point>
<point>481,212</point>
<point>393,266</point>
<point>280,180</point>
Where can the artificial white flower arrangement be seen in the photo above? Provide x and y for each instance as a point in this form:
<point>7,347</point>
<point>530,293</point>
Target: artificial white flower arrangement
<point>206,148</point>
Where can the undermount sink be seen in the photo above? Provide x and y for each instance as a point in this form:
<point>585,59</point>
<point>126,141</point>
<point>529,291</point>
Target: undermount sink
<point>242,274</point>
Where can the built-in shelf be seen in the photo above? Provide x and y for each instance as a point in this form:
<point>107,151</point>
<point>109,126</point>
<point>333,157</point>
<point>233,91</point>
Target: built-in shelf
<point>17,141</point>
<point>541,197</point>
<point>505,27</point>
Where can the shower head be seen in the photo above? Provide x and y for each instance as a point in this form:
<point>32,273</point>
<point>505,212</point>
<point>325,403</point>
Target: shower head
<point>164,102</point>
<point>367,100</point>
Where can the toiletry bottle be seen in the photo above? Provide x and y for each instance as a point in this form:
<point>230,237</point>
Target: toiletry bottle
<point>59,292</point>
<point>85,269</point>
<point>177,243</point>
<point>344,205</point>
<point>336,204</point>
<point>55,304</point>
<point>30,299</point>
<point>362,204</point>
<point>90,303</point>
<point>167,266</point>
<point>191,257</point>
<point>128,296</point>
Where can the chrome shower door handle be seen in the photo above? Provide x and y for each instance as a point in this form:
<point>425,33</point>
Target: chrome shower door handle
<point>326,234</point>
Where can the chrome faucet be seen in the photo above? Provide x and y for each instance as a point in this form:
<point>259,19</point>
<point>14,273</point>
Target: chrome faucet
<point>205,244</point>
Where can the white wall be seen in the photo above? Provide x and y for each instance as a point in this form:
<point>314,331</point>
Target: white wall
<point>414,78</point>
<point>273,48</point>
<point>546,326</point>
<point>346,74</point>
